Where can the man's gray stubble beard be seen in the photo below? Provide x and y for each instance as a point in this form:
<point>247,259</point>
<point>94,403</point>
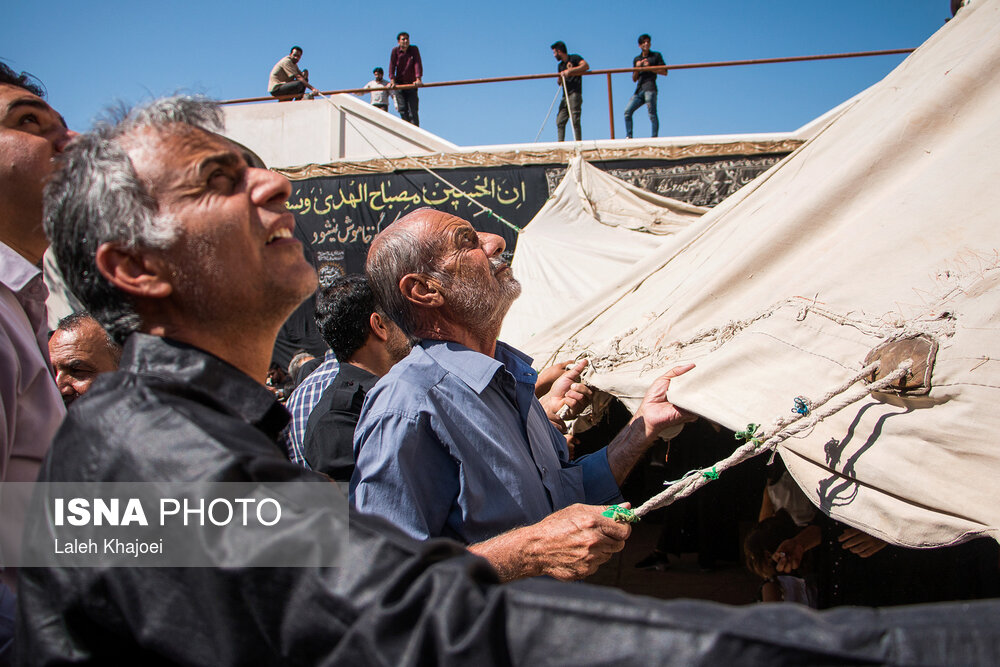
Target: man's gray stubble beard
<point>484,313</point>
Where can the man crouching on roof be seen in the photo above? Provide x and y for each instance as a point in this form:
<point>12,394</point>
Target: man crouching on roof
<point>452,442</point>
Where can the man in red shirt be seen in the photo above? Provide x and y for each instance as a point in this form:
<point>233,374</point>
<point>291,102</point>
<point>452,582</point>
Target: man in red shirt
<point>405,68</point>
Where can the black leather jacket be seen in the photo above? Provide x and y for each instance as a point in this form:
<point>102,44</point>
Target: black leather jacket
<point>173,412</point>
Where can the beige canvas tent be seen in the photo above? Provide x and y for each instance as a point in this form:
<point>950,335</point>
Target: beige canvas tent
<point>881,228</point>
<point>588,236</point>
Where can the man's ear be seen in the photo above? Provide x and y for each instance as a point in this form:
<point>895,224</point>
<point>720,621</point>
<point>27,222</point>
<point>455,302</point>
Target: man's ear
<point>378,327</point>
<point>138,273</point>
<point>418,289</point>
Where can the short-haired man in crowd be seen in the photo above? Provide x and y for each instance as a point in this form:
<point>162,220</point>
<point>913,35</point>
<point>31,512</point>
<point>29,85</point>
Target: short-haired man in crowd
<point>452,441</point>
<point>80,349</point>
<point>405,68</point>
<point>571,66</point>
<point>367,343</point>
<point>286,79</point>
<point>31,134</point>
<point>165,232</point>
<point>645,89</point>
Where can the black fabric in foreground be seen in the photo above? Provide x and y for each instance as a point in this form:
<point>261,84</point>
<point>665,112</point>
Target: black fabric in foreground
<point>174,413</point>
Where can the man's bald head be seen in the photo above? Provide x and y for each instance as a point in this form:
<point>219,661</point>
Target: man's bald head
<point>431,264</point>
<point>402,248</point>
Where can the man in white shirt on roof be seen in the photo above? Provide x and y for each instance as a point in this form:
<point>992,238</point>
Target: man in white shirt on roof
<point>380,90</point>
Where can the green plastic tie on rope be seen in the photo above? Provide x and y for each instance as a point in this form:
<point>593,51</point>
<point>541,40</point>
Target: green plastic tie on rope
<point>748,434</point>
<point>711,474</point>
<point>621,514</point>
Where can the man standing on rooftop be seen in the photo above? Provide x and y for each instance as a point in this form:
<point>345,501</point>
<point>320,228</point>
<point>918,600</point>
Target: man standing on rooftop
<point>405,67</point>
<point>645,90</point>
<point>571,66</point>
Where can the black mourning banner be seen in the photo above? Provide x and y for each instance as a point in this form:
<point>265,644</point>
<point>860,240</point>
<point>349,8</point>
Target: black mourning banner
<point>337,217</point>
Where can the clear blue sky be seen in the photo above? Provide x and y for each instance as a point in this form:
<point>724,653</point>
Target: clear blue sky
<point>92,54</point>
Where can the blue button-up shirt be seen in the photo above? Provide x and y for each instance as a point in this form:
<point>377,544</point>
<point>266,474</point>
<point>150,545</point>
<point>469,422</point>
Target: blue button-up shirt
<point>302,401</point>
<point>454,443</point>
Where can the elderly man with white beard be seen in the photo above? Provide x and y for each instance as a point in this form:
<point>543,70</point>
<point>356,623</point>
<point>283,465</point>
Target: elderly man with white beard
<point>453,443</point>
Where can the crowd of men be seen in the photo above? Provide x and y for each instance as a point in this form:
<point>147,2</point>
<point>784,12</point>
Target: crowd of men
<point>184,254</point>
<point>406,72</point>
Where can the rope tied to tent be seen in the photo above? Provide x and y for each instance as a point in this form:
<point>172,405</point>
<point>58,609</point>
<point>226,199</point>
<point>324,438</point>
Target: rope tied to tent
<point>483,207</point>
<point>782,429</point>
<point>568,110</point>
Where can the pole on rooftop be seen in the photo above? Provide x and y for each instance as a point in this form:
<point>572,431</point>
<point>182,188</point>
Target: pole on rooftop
<point>611,108</point>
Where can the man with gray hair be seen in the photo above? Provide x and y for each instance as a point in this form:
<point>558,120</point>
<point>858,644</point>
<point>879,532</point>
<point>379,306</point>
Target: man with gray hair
<point>452,441</point>
<point>185,251</point>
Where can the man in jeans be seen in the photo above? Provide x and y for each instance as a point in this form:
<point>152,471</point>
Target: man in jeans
<point>571,66</point>
<point>645,90</point>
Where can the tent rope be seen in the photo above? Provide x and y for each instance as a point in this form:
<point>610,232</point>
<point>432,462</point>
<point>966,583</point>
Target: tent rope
<point>782,429</point>
<point>568,111</point>
<point>485,209</point>
<point>549,113</point>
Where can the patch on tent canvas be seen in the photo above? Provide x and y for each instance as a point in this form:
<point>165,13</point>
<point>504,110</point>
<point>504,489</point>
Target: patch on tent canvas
<point>921,350</point>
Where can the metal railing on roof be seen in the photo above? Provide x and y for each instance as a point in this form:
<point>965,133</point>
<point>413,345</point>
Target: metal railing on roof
<point>607,72</point>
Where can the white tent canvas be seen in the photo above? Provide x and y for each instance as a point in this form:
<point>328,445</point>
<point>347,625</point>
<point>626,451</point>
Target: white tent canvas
<point>881,227</point>
<point>317,131</point>
<point>592,232</point>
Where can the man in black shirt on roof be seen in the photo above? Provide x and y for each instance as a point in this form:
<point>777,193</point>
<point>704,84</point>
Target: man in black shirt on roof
<point>571,66</point>
<point>645,90</point>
